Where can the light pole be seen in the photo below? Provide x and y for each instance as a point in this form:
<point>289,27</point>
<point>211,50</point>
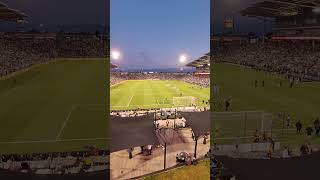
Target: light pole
<point>115,55</point>
<point>182,60</point>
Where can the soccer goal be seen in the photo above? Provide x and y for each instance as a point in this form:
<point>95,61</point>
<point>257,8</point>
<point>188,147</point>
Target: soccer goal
<point>184,101</point>
<point>240,124</point>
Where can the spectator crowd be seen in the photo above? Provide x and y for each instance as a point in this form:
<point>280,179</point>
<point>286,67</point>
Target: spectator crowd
<point>294,59</point>
<point>20,52</point>
<point>200,80</point>
<point>92,160</point>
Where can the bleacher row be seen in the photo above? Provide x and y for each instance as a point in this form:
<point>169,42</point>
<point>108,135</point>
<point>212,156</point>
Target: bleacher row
<point>294,59</point>
<point>57,163</point>
<point>17,53</point>
<point>200,80</point>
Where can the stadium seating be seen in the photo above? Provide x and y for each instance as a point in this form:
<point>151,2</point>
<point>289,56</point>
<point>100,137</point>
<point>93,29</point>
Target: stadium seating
<point>295,59</point>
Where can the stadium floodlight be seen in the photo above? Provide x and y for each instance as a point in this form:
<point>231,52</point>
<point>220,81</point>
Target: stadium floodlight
<point>115,54</point>
<point>183,59</point>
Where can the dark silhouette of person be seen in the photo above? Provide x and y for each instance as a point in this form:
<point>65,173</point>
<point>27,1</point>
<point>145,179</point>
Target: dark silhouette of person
<point>299,126</point>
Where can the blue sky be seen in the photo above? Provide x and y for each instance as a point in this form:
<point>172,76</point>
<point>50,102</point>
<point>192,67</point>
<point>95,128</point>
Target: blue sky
<point>153,33</point>
<point>66,12</point>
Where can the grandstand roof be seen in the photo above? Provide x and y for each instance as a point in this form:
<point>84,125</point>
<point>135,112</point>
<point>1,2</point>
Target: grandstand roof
<point>2,5</point>
<point>7,14</point>
<point>129,132</point>
<point>199,121</point>
<point>113,65</point>
<point>279,8</point>
<point>200,62</point>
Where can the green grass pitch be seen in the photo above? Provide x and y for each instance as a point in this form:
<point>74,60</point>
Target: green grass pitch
<point>146,94</point>
<point>57,106</point>
<point>199,171</point>
<point>302,101</point>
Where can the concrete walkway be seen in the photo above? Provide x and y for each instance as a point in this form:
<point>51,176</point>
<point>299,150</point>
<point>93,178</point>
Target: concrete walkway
<point>121,167</point>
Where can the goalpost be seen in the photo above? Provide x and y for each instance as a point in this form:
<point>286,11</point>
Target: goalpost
<point>184,101</point>
<point>231,125</point>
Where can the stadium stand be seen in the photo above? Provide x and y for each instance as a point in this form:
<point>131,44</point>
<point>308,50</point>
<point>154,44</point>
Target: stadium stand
<point>292,50</point>
<point>294,59</point>
<point>56,163</point>
<point>198,79</point>
<point>201,64</point>
<point>7,14</point>
<point>293,18</point>
<point>22,50</point>
<point>113,66</point>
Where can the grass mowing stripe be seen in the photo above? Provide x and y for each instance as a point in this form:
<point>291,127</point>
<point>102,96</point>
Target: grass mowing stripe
<point>301,101</point>
<point>152,93</point>
<point>35,105</point>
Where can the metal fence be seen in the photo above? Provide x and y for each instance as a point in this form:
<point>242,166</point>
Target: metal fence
<point>242,125</point>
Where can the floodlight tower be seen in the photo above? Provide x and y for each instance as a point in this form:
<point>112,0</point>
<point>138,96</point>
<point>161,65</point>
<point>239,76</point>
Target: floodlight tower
<point>182,60</point>
<point>115,54</point>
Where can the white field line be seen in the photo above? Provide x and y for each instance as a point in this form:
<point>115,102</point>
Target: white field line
<point>277,77</point>
<point>74,106</point>
<point>304,84</point>
<point>248,137</point>
<point>141,105</point>
<point>312,86</point>
<point>154,94</point>
<point>53,141</point>
<point>65,122</point>
<point>119,83</point>
<point>130,101</point>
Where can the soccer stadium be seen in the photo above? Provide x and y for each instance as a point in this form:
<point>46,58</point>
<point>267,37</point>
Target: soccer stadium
<point>169,110</point>
<point>159,90</point>
<point>52,115</point>
<point>265,88</point>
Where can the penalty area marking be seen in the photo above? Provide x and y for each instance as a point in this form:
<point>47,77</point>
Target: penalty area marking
<point>73,107</point>
<point>130,101</point>
<point>65,122</point>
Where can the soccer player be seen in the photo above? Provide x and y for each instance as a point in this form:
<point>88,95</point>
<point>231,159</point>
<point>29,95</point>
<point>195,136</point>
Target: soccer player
<point>309,130</point>
<point>256,83</point>
<point>299,126</point>
<point>227,104</point>
<point>288,120</point>
<point>316,124</point>
<point>263,83</point>
<point>291,83</point>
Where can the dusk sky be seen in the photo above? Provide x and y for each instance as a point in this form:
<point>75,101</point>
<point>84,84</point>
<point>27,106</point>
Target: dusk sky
<point>231,8</point>
<point>65,12</point>
<point>153,33</point>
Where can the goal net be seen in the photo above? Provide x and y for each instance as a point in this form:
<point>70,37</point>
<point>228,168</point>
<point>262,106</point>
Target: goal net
<point>230,125</point>
<point>184,101</point>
